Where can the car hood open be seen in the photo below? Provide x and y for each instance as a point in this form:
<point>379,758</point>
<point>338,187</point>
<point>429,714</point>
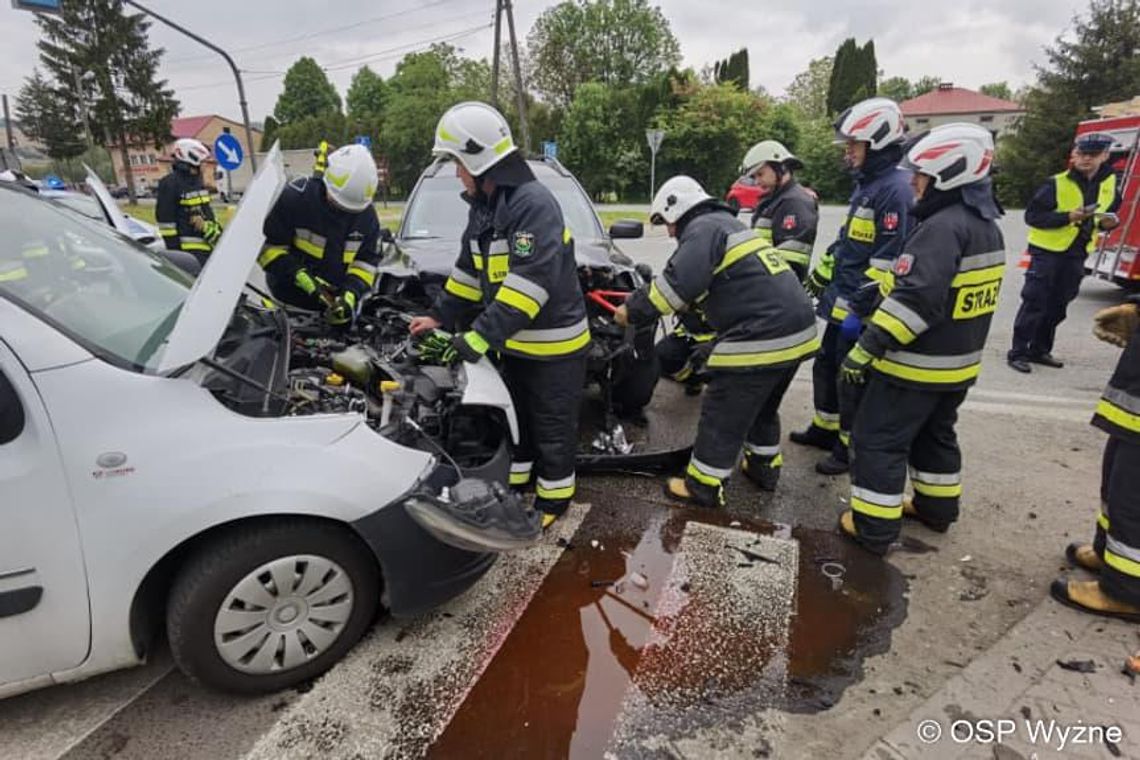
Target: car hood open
<point>436,256</point>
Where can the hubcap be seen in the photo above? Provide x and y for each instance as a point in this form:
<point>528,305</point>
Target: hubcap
<point>283,614</point>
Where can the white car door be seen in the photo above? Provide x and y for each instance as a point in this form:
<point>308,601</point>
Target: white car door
<point>45,621</point>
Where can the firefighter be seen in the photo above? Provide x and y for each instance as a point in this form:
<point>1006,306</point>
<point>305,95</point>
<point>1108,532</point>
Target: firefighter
<point>1115,551</point>
<point>514,290</point>
<point>182,204</point>
<point>683,353</point>
<point>764,325</point>
<point>846,277</point>
<point>787,215</point>
<point>922,347</point>
<point>1063,217</point>
<point>322,238</point>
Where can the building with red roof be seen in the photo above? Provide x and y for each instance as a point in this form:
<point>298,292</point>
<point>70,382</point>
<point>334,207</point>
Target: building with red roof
<point>948,104</point>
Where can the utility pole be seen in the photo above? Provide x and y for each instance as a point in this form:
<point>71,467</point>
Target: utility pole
<point>230,61</point>
<point>495,56</point>
<point>8,124</point>
<point>506,5</point>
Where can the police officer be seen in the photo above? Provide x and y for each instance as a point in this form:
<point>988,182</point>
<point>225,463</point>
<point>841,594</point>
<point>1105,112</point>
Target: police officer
<point>1063,217</point>
<point>1115,551</point>
<point>764,326</point>
<point>322,238</point>
<point>787,216</point>
<point>922,346</point>
<point>182,205</point>
<point>514,290</point>
<point>846,276</point>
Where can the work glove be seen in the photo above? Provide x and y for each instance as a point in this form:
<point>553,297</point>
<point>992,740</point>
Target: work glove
<point>441,348</point>
<point>815,284</point>
<point>433,346</point>
<point>211,231</point>
<point>854,368</point>
<point>851,328</point>
<point>305,281</point>
<point>1116,324</point>
<point>342,310</point>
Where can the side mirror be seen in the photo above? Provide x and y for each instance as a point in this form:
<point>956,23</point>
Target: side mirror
<point>627,229</point>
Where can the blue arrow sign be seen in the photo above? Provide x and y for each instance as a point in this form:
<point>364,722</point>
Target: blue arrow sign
<point>39,6</point>
<point>364,140</point>
<point>550,149</point>
<point>228,152</point>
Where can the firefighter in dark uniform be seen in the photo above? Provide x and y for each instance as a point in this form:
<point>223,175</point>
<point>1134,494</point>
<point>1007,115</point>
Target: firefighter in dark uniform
<point>683,353</point>
<point>1115,551</point>
<point>514,290</point>
<point>846,278</point>
<point>322,238</point>
<point>788,215</point>
<point>764,326</point>
<point>182,209</point>
<point>1064,217</point>
<point>922,346</point>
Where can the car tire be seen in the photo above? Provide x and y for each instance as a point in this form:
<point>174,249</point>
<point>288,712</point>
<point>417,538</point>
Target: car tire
<point>633,389</point>
<point>226,596</point>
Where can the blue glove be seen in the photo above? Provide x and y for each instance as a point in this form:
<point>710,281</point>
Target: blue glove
<point>851,328</point>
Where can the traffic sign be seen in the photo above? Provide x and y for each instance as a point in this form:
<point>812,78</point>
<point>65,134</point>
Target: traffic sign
<point>228,152</point>
<point>39,6</point>
<point>364,140</point>
<point>550,149</point>
<point>654,136</point>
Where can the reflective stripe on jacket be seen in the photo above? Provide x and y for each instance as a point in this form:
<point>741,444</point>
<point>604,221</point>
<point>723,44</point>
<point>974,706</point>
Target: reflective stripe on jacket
<point>1070,197</point>
<point>180,196</point>
<point>1118,412</point>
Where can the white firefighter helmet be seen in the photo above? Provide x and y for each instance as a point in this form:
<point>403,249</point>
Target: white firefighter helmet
<point>877,122</point>
<point>350,178</point>
<point>475,135</point>
<point>953,155</point>
<point>190,151</point>
<point>768,151</point>
<point>675,198</point>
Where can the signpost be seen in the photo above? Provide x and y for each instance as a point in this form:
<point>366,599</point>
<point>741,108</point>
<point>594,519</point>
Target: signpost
<point>364,140</point>
<point>228,152</point>
<point>550,149</point>
<point>654,136</point>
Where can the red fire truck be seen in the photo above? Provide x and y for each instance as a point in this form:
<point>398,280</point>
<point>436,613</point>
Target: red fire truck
<point>1116,256</point>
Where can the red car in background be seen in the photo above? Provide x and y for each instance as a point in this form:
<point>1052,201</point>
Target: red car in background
<point>744,194</point>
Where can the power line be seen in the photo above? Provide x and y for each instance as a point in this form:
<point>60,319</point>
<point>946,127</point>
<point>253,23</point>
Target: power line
<point>312,35</point>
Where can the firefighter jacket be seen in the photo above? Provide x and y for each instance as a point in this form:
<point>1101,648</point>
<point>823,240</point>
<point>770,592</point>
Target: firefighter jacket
<point>1118,412</point>
<point>304,231</point>
<point>1047,214</point>
<point>516,268</point>
<point>930,329</point>
<point>870,238</point>
<point>787,219</point>
<point>181,196</point>
<point>741,286</point>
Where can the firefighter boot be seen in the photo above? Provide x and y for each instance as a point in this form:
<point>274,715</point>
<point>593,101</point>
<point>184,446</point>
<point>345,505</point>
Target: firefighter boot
<point>1086,596</point>
<point>1084,556</point>
<point>764,474</point>
<point>911,512</point>
<point>677,489</point>
<point>815,436</point>
<point>848,530</point>
<point>836,463</point>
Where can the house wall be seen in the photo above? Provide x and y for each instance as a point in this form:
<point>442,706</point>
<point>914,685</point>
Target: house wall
<point>1000,123</point>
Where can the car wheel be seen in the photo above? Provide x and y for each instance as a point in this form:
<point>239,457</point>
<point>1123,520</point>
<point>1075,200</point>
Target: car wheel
<point>264,607</point>
<point>633,389</point>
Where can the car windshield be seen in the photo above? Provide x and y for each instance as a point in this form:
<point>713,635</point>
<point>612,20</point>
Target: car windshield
<point>110,295</point>
<point>437,210</point>
<point>84,204</point>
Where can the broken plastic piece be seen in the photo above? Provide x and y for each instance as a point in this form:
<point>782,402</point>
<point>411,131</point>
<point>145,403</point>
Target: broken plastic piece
<point>1078,666</point>
<point>639,580</point>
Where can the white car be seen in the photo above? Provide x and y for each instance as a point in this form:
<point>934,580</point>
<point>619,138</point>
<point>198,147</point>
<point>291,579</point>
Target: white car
<point>174,454</point>
<point>93,208</point>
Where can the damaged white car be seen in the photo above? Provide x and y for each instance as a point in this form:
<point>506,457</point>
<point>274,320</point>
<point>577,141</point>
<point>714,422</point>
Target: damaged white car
<point>177,455</point>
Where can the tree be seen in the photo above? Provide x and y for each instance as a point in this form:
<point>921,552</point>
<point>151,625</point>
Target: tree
<point>925,84</point>
<point>596,143</point>
<point>897,89</point>
<point>854,76</point>
<point>823,161</point>
<point>1096,62</point>
<point>997,90</point>
<point>102,59</point>
<point>808,91</point>
<point>615,42</point>
<point>269,133</point>
<point>308,92</point>
<point>367,95</point>
<point>733,69</point>
<point>47,116</point>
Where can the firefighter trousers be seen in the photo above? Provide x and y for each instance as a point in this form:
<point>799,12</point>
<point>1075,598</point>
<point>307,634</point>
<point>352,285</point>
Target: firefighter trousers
<point>899,426</point>
<point>1117,539</point>
<point>825,380</point>
<point>1052,281</point>
<point>547,397</point>
<point>739,410</point>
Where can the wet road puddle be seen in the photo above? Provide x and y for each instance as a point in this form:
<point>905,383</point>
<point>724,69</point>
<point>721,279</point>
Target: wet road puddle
<point>660,622</point>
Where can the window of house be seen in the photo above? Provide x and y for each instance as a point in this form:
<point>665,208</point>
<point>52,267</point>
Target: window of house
<point>922,122</point>
<point>987,119</point>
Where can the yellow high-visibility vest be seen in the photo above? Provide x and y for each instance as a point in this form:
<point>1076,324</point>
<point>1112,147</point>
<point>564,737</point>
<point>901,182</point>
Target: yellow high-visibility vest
<point>1070,198</point>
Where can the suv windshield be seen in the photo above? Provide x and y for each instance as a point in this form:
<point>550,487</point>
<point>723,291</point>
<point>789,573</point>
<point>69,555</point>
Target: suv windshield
<point>109,295</point>
<point>437,210</point>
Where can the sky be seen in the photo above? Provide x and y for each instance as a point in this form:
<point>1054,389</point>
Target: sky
<point>967,42</point>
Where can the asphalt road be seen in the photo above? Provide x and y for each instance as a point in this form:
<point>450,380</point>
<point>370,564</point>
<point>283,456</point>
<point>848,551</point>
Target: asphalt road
<point>809,651</point>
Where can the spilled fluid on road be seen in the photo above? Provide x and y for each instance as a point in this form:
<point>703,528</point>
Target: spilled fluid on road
<point>602,654</point>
